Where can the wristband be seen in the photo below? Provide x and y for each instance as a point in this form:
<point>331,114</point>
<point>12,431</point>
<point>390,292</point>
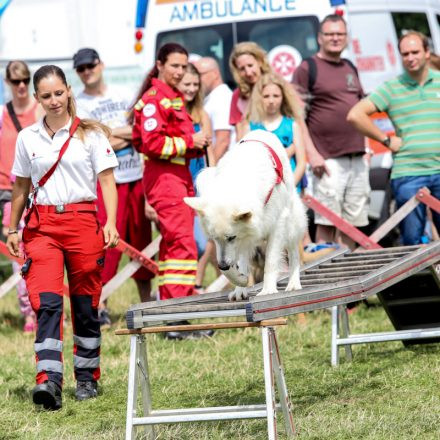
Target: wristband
<point>13,232</point>
<point>386,142</point>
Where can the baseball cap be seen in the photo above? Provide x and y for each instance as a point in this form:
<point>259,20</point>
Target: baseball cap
<point>85,56</point>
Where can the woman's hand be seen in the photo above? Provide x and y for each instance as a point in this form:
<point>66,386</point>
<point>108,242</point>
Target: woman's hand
<point>201,140</point>
<point>12,244</point>
<point>151,213</point>
<point>111,235</point>
<point>110,196</point>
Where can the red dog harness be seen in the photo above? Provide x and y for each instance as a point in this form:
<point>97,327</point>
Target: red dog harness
<point>276,162</point>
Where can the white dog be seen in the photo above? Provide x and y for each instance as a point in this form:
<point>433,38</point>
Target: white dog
<point>249,199</point>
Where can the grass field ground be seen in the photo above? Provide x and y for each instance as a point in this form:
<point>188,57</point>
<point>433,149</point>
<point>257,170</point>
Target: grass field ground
<point>387,392</point>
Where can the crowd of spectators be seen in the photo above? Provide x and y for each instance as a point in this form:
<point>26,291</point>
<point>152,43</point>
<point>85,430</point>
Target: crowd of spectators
<point>185,118</point>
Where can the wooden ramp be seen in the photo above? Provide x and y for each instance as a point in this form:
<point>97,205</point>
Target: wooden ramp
<point>338,278</point>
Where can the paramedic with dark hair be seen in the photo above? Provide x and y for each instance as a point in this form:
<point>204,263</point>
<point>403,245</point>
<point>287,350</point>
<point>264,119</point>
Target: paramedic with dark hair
<point>163,131</point>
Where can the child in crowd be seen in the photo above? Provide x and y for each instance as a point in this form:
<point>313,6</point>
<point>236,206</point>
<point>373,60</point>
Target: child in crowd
<point>273,107</point>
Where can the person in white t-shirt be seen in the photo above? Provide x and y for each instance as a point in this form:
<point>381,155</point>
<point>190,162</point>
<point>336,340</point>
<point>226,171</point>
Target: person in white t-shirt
<point>109,105</point>
<point>62,231</point>
<point>218,98</point>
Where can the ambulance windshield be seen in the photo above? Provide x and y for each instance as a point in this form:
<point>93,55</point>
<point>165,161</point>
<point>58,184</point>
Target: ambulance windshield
<point>287,41</point>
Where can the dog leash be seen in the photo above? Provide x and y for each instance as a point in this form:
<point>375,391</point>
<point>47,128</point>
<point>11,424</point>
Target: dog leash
<point>277,165</point>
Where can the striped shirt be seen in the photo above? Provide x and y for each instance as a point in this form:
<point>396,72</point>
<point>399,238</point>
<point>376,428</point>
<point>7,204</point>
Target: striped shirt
<point>415,113</point>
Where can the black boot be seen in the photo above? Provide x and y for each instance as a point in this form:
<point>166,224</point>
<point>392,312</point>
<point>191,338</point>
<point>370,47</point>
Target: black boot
<point>86,390</point>
<point>47,394</point>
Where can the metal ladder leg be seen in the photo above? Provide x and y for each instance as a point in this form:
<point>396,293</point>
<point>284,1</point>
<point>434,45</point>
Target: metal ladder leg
<point>144,379</point>
<point>335,335</point>
<point>345,330</point>
<point>132,389</point>
<point>269,384</point>
<point>285,402</point>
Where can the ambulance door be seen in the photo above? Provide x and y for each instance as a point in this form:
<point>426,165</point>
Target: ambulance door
<point>373,45</point>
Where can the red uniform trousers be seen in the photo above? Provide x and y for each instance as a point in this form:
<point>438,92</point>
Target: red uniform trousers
<point>131,223</point>
<point>166,185</point>
<point>74,240</point>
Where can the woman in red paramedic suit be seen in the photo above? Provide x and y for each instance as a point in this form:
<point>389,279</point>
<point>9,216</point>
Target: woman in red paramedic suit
<point>164,133</point>
<point>62,230</point>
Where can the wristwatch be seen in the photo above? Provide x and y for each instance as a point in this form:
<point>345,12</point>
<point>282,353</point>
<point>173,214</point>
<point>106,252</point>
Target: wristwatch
<point>387,142</point>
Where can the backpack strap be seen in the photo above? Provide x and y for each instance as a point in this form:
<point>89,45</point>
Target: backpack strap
<point>350,63</point>
<point>13,116</point>
<point>312,73</point>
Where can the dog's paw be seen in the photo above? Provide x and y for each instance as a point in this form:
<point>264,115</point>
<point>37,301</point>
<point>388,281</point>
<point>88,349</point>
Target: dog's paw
<point>266,292</point>
<point>238,294</point>
<point>293,285</point>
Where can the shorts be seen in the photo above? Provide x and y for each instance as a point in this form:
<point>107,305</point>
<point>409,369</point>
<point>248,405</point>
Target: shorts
<point>346,191</point>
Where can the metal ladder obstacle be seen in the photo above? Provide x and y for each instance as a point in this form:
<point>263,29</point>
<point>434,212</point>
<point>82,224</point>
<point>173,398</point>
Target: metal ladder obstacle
<point>334,280</point>
<point>206,305</point>
<point>331,282</point>
<point>352,277</point>
<point>338,278</point>
<point>139,377</point>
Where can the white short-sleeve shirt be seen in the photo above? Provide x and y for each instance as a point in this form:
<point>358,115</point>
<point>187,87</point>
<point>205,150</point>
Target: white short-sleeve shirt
<point>217,105</point>
<point>111,108</point>
<point>74,179</point>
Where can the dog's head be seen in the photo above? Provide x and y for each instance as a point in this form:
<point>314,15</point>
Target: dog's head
<point>230,228</point>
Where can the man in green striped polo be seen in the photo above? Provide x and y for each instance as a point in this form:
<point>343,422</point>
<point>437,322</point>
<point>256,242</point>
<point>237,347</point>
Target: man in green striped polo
<point>412,101</point>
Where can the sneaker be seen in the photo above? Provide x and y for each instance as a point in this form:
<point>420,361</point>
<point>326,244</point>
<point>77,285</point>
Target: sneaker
<point>199,290</point>
<point>104,318</point>
<point>86,390</point>
<point>48,394</point>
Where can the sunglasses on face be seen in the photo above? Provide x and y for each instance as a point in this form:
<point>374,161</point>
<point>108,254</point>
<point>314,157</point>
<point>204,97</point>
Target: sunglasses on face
<point>81,69</point>
<point>16,82</point>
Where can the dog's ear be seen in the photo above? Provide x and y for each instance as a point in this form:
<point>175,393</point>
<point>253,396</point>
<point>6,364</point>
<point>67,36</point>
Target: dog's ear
<point>243,216</point>
<point>196,203</point>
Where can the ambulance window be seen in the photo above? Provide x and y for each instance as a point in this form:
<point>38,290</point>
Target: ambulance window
<point>212,41</point>
<point>297,32</point>
<point>405,21</point>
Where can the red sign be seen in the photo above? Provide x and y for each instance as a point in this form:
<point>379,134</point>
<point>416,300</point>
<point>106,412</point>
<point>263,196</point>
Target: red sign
<point>356,46</point>
<point>370,64</point>
<point>391,54</point>
<point>284,63</point>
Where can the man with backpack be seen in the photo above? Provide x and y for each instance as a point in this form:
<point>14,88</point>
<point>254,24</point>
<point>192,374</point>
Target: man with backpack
<point>331,86</point>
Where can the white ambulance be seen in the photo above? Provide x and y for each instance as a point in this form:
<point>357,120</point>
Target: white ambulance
<point>287,30</point>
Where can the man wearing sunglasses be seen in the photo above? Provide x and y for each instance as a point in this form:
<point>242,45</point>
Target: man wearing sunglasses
<point>21,111</point>
<point>110,104</point>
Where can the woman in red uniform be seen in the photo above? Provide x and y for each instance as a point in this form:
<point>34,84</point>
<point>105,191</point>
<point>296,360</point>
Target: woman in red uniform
<point>62,230</point>
<point>163,131</point>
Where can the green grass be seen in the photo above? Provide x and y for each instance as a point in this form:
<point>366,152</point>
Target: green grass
<point>387,392</point>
